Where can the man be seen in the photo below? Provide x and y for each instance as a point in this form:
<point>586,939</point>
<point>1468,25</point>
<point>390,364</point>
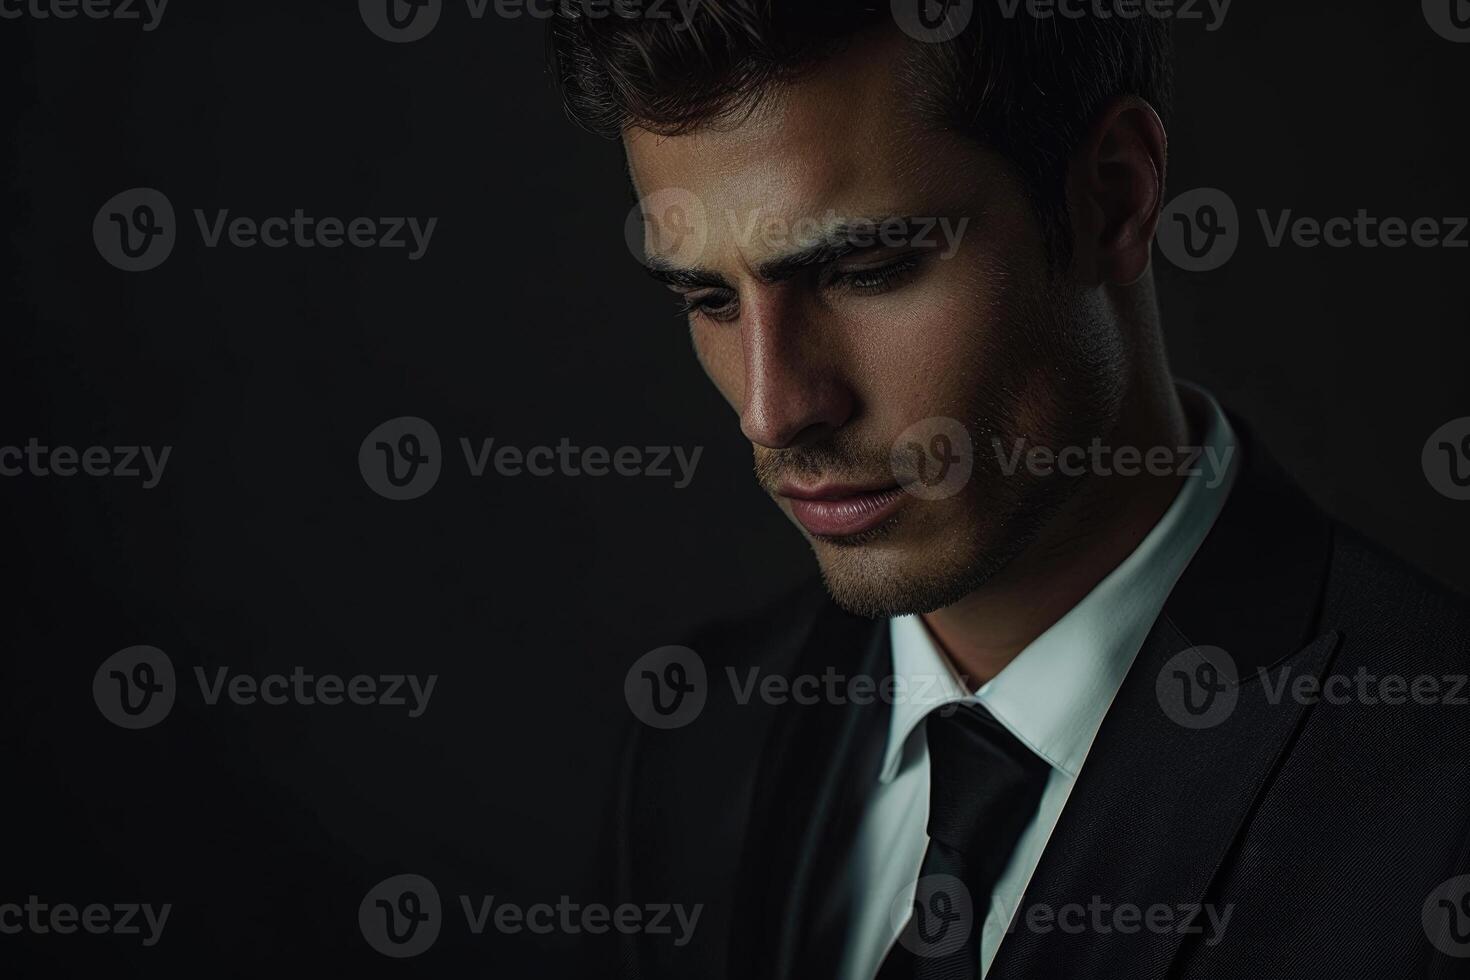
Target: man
<point>1141,709</point>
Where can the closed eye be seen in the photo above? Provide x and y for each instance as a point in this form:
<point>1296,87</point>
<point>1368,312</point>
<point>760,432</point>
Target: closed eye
<point>720,305</point>
<point>723,305</point>
<point>870,279</point>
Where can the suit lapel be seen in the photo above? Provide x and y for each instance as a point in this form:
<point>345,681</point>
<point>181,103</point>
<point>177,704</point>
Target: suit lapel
<point>1151,820</point>
<point>1187,747</point>
<point>820,760</point>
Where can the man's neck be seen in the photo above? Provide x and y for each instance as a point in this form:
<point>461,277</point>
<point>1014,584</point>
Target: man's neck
<point>1100,525</point>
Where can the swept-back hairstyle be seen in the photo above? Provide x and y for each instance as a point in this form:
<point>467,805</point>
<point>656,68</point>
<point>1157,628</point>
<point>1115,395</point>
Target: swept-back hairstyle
<point>1025,84</point>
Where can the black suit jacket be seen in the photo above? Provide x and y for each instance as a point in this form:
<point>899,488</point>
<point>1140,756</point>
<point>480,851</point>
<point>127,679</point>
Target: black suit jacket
<point>1321,827</point>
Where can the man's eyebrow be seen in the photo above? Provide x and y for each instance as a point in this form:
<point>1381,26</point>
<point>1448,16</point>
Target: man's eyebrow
<point>672,275</point>
<point>835,242</point>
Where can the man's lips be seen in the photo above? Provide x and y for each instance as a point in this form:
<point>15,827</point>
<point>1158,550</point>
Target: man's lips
<point>838,510</point>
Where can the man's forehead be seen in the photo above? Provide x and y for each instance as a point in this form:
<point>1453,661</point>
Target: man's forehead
<point>747,165</point>
<point>847,119</point>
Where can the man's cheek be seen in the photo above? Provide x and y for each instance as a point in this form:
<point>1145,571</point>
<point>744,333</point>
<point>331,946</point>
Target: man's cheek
<point>720,358</point>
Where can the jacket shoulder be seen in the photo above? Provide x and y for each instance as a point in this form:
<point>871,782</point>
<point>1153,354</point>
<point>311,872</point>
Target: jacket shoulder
<point>1374,595</point>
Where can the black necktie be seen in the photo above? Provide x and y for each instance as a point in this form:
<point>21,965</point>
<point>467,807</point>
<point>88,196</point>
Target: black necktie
<point>984,786</point>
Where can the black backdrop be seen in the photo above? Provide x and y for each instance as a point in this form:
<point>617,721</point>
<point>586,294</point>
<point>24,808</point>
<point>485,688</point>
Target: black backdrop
<point>263,549</point>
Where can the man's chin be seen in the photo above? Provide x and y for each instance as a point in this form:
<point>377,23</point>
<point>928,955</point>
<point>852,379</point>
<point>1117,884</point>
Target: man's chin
<point>885,577</point>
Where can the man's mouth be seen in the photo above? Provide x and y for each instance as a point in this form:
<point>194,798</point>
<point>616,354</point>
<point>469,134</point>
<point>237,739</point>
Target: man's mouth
<point>833,510</point>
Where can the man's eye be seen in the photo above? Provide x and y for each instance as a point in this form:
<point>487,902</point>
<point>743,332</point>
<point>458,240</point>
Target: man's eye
<point>875,278</point>
<point>716,306</point>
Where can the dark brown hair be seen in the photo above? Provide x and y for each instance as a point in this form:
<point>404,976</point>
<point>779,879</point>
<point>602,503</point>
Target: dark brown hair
<point>1027,86</point>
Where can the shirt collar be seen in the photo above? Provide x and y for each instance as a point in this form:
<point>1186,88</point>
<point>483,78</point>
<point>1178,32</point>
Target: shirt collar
<point>1054,695</point>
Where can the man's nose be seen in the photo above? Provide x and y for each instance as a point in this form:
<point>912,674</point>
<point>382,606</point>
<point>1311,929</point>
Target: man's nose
<point>795,390</point>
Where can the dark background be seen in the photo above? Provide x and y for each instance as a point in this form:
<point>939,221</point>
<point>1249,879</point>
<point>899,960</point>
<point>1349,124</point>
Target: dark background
<point>528,320</point>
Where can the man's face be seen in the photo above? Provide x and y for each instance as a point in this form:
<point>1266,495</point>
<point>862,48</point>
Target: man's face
<point>871,295</point>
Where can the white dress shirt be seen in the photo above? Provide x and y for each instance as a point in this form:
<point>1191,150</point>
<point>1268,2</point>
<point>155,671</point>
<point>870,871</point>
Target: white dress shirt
<point>1052,697</point>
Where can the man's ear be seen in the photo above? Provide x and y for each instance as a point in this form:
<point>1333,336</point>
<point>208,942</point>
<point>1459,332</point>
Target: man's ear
<point>1117,188</point>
